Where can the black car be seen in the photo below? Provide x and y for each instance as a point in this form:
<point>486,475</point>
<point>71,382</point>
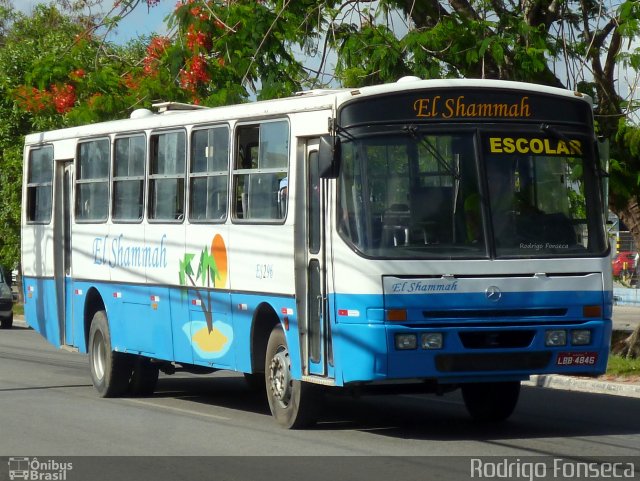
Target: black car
<point>6,302</point>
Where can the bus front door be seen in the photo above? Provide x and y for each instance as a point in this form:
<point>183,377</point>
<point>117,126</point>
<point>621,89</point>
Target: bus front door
<point>318,342</point>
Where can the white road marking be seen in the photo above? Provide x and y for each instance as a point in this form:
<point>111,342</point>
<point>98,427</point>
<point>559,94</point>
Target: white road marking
<point>177,410</point>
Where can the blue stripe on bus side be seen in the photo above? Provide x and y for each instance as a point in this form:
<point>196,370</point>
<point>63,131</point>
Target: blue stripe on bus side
<point>40,308</point>
<point>363,344</point>
<point>166,322</point>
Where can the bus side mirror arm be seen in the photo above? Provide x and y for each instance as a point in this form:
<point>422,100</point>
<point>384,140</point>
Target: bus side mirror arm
<point>329,157</point>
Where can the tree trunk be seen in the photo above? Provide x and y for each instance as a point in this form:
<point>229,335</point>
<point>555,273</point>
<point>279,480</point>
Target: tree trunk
<point>630,215</point>
<point>628,347</point>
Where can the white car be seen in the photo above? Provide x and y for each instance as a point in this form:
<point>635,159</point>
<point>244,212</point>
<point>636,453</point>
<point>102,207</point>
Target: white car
<point>6,303</point>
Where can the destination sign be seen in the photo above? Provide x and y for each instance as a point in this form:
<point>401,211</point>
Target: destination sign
<point>464,105</point>
<point>459,108</point>
<point>534,145</point>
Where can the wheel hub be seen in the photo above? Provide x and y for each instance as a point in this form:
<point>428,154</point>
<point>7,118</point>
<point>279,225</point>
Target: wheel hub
<point>98,356</point>
<point>280,377</point>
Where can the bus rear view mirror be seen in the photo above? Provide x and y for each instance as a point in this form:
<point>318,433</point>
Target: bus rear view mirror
<point>328,157</point>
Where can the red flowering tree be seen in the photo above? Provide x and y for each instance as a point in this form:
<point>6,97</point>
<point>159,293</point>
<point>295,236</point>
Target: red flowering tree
<point>55,73</point>
<point>224,52</point>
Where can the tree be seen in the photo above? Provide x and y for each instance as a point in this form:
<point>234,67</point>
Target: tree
<point>224,52</point>
<point>58,72</point>
<point>43,52</point>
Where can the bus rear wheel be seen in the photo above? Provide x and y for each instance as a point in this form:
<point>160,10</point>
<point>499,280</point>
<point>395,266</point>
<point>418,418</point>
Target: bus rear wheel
<point>491,401</point>
<point>294,404</point>
<point>110,371</point>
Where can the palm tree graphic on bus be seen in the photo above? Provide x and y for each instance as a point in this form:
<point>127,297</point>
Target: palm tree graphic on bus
<point>210,338</point>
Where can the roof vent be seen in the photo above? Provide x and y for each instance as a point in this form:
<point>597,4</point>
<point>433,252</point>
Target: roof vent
<point>408,78</point>
<point>140,114</point>
<point>163,107</point>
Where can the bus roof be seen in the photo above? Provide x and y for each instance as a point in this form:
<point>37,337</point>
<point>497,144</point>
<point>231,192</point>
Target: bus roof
<point>173,114</point>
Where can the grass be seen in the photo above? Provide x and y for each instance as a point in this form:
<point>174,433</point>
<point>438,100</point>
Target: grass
<point>621,366</point>
<point>18,309</point>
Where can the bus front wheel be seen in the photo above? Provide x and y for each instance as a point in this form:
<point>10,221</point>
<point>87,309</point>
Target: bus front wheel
<point>294,404</point>
<point>491,401</point>
<point>110,371</point>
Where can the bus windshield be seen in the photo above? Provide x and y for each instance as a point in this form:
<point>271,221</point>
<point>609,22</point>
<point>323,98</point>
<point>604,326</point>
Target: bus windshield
<point>469,194</point>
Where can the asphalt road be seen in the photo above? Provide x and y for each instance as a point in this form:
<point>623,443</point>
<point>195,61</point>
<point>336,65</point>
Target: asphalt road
<point>48,408</point>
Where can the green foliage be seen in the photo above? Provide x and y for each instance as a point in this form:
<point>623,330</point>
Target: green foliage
<point>10,183</point>
<point>623,366</point>
<point>368,56</point>
<point>625,164</point>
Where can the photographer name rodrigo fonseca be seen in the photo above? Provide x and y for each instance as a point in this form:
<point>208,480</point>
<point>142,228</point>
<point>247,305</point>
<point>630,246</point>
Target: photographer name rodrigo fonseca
<point>556,468</point>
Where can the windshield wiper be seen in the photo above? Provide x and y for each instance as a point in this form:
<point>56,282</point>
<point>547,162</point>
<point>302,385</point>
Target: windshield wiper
<point>343,132</point>
<point>548,129</point>
<point>451,170</point>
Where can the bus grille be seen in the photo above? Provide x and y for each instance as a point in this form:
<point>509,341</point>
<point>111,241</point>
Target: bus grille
<point>496,339</point>
<point>495,313</point>
<point>521,361</point>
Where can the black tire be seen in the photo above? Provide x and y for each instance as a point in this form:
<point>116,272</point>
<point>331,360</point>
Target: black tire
<point>144,377</point>
<point>294,404</point>
<point>491,401</point>
<point>110,371</point>
<point>7,323</point>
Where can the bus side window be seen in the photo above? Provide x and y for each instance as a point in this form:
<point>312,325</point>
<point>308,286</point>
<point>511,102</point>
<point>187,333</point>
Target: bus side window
<point>92,180</point>
<point>261,163</point>
<point>39,185</point>
<point>166,176</point>
<point>128,178</point>
<point>208,175</point>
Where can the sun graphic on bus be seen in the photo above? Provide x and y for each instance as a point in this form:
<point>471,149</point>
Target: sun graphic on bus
<point>219,254</point>
<point>212,338</point>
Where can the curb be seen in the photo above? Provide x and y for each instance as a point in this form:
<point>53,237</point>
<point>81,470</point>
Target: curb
<point>569,383</point>
<point>19,321</point>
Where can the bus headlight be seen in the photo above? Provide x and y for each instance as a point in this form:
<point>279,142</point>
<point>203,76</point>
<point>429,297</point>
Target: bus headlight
<point>557,337</point>
<point>431,340</point>
<point>581,337</point>
<point>406,342</point>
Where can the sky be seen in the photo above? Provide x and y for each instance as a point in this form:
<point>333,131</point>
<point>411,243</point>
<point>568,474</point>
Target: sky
<point>142,21</point>
<point>145,21</point>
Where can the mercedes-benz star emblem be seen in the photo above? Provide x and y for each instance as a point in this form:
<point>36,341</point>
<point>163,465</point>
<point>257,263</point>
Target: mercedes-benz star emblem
<point>493,293</point>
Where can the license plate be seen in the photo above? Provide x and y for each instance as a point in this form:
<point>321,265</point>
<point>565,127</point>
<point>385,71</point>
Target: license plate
<point>577,358</point>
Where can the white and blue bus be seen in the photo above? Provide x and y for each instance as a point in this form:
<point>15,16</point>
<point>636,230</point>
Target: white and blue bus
<point>423,235</point>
